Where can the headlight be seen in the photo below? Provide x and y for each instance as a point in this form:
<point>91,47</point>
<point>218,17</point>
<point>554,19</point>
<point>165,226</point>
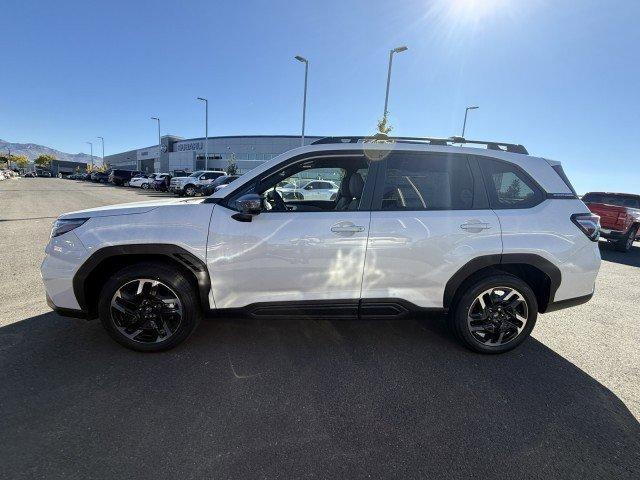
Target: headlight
<point>61,226</point>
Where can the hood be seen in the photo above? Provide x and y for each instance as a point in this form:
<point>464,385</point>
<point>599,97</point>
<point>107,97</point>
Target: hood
<point>126,208</point>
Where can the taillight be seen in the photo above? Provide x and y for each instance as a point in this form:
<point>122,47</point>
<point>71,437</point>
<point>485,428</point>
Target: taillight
<point>588,223</point>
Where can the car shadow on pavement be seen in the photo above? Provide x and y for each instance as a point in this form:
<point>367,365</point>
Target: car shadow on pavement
<point>610,254</point>
<point>248,398</point>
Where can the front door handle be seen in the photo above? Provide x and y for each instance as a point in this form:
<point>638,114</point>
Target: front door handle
<point>347,228</point>
<point>475,227</point>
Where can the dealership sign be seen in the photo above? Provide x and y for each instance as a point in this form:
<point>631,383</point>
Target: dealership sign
<point>183,147</point>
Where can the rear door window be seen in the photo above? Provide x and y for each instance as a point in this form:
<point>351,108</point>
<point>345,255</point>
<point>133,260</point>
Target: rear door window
<point>427,182</point>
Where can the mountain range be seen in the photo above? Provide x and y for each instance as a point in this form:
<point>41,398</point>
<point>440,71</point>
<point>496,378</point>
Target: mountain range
<point>33,151</point>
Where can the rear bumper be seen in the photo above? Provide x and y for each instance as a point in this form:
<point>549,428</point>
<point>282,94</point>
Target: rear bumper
<point>568,303</point>
<point>611,234</point>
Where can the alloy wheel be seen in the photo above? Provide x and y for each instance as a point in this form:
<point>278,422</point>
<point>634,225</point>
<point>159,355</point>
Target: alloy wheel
<point>146,311</point>
<point>497,316</point>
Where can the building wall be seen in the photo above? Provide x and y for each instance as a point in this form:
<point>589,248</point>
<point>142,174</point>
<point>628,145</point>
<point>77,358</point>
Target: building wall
<point>189,154</point>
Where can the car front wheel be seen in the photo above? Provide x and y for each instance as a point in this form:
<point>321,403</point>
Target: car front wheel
<point>145,186</point>
<point>190,191</point>
<point>495,314</point>
<point>149,307</point>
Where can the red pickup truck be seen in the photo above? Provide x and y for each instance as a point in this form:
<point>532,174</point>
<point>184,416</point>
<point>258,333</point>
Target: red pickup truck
<point>619,217</point>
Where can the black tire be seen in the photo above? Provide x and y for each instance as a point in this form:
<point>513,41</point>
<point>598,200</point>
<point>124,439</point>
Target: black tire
<point>464,302</point>
<point>145,186</point>
<point>190,191</point>
<point>175,280</point>
<point>625,242</point>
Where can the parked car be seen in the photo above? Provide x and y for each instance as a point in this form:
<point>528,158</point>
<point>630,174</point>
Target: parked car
<point>309,190</point>
<point>100,177</point>
<point>30,175</point>
<point>43,173</point>
<point>122,177</point>
<point>189,185</point>
<point>492,236</point>
<point>142,181</point>
<point>161,182</point>
<point>619,217</point>
<point>217,184</point>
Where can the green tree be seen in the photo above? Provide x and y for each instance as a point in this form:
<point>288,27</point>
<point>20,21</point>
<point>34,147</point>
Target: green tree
<point>232,166</point>
<point>21,161</point>
<point>4,161</point>
<point>384,127</point>
<point>44,160</point>
<point>513,190</point>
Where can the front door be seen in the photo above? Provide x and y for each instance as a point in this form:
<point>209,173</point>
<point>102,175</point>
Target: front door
<point>293,250</point>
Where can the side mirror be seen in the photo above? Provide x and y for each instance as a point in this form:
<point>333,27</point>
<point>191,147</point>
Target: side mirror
<point>248,206</point>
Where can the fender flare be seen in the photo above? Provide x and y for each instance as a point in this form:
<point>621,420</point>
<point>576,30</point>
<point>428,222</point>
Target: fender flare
<point>185,258</point>
<point>478,263</point>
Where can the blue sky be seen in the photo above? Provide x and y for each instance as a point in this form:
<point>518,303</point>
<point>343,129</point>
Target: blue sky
<point>561,77</point>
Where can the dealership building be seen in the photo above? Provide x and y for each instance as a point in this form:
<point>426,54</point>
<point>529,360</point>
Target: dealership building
<point>178,153</point>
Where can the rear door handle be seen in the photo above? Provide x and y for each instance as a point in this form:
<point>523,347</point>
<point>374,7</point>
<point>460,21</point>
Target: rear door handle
<point>475,226</point>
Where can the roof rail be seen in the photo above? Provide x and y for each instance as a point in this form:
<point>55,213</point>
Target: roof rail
<point>491,145</point>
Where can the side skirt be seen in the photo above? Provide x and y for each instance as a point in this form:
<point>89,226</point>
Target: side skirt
<point>365,309</point>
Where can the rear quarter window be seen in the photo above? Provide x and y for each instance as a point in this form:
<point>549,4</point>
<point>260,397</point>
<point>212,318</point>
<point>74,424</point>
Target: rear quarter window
<point>508,186</point>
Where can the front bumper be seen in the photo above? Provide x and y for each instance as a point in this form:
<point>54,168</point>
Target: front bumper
<point>67,312</point>
<point>64,255</point>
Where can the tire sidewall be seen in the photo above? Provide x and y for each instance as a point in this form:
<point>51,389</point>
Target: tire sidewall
<point>468,297</point>
<point>173,279</point>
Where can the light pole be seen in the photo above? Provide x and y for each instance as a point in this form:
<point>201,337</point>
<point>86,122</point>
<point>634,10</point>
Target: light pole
<point>464,125</point>
<point>102,140</point>
<point>304,99</point>
<point>91,154</point>
<point>206,131</point>
<point>386,97</point>
<point>159,142</point>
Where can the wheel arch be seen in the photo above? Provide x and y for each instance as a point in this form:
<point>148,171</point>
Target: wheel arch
<point>93,273</point>
<point>540,274</point>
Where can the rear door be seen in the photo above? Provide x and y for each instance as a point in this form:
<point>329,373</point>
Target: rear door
<point>430,216</point>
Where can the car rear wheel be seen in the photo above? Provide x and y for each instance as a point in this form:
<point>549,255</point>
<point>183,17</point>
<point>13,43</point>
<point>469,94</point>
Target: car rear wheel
<point>495,314</point>
<point>625,242</point>
<point>149,307</point>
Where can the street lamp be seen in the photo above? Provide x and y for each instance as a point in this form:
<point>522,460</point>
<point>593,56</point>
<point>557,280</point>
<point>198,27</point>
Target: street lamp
<point>386,97</point>
<point>464,125</point>
<point>304,100</point>
<point>102,140</point>
<point>159,142</point>
<point>206,132</point>
<point>91,153</point>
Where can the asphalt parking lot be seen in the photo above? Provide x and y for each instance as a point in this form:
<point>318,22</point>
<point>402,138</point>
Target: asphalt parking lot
<point>306,399</point>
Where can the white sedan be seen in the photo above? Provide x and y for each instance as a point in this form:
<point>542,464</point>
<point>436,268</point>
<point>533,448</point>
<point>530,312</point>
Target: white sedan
<point>143,182</point>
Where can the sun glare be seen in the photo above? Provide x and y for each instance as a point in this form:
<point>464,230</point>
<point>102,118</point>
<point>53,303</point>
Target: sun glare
<point>476,9</point>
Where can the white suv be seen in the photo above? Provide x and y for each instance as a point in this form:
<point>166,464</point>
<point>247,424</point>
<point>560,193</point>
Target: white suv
<point>491,235</point>
<point>190,185</point>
